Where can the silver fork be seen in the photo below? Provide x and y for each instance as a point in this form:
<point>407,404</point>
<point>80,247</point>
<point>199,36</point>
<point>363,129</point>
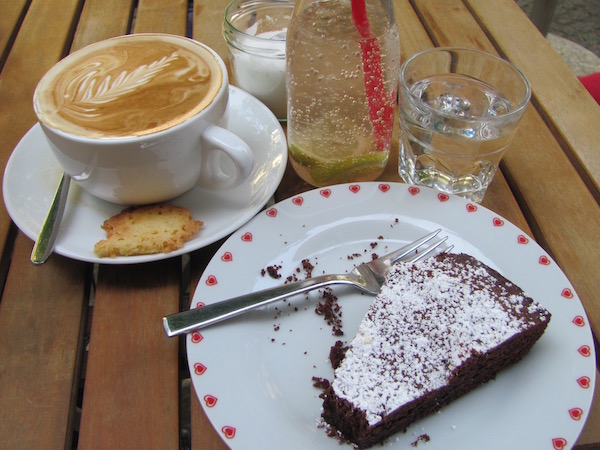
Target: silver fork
<point>367,277</point>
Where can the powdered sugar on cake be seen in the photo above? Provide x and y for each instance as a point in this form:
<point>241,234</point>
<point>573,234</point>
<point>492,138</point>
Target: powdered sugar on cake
<point>426,321</point>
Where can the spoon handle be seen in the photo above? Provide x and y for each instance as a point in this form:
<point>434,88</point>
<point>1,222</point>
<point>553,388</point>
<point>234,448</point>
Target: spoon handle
<point>45,242</point>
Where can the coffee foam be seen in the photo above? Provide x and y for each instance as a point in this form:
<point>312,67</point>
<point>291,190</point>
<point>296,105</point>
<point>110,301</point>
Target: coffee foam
<point>128,86</point>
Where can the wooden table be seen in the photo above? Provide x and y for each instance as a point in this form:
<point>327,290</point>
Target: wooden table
<point>84,359</point>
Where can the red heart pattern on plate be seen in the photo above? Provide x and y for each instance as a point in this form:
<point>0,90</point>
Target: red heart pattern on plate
<point>354,188</point>
<point>576,413</point>
<point>325,192</point>
<point>228,431</point>
<point>210,400</point>
<point>584,382</point>
<point>585,350</point>
<point>211,280</point>
<point>247,237</point>
<point>413,190</point>
<point>384,187</point>
<point>199,369</point>
<point>271,212</point>
<point>559,443</point>
<point>522,239</point>
<point>567,293</point>
<point>579,321</point>
<point>298,200</point>
<point>544,260</point>
<point>498,222</point>
<point>443,197</point>
<point>199,304</point>
<point>227,257</point>
<point>197,337</point>
<point>471,207</point>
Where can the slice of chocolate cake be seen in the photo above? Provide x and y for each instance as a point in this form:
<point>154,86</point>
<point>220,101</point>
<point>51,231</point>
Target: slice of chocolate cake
<point>436,330</point>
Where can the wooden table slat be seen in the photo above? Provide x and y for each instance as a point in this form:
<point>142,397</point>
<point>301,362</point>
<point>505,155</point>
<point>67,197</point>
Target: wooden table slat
<point>12,14</point>
<point>103,19</point>
<point>132,377</point>
<point>207,25</point>
<point>32,54</point>
<point>41,338</point>
<point>554,85</point>
<point>161,16</point>
<point>413,37</point>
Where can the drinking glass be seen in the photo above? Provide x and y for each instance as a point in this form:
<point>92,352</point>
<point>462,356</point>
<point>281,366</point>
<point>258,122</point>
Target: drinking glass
<point>459,109</point>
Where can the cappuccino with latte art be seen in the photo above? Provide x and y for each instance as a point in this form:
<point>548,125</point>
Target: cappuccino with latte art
<point>128,86</point>
<point>136,119</point>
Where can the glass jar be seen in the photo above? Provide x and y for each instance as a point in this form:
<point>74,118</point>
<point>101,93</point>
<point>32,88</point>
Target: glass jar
<point>343,60</point>
<point>255,32</point>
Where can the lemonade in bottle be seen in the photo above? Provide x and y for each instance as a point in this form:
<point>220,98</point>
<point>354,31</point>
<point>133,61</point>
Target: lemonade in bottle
<point>343,59</point>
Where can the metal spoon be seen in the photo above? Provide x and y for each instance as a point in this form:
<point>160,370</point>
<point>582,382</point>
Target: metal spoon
<point>44,245</point>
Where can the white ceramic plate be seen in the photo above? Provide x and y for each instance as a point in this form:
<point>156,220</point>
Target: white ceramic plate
<point>32,174</point>
<point>253,373</point>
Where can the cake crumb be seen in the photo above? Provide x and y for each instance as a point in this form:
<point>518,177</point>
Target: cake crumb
<point>308,267</point>
<point>422,438</point>
<point>273,271</point>
<point>331,311</point>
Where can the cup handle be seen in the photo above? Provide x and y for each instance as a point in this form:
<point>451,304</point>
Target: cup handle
<point>214,141</point>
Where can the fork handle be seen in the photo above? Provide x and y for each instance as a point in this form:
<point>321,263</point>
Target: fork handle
<point>204,316</point>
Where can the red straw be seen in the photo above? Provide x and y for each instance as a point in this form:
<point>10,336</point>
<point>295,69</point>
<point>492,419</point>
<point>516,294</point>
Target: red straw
<point>381,112</point>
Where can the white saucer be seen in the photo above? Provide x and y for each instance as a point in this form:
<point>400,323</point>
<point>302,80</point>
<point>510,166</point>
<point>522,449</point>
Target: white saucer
<point>32,174</point>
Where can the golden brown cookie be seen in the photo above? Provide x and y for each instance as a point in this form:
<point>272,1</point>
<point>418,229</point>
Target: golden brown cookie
<point>144,230</point>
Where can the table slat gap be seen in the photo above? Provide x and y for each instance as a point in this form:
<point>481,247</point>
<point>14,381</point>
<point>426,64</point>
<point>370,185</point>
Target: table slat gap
<point>7,254</point>
<point>13,14</point>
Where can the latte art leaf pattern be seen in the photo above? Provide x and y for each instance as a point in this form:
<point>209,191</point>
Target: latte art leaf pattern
<point>93,90</point>
<point>131,85</point>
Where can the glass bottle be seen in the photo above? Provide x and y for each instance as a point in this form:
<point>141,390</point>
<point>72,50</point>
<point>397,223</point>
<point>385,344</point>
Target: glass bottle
<point>342,65</point>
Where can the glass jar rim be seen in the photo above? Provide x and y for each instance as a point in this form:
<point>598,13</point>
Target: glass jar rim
<point>250,43</point>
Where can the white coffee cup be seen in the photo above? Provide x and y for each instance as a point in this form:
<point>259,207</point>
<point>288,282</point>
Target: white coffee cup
<point>133,119</point>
